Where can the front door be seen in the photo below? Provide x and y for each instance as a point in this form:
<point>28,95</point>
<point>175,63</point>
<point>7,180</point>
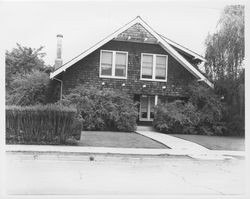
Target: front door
<point>147,104</point>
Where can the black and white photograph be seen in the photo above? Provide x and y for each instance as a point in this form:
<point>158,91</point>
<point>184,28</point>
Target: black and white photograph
<point>124,99</point>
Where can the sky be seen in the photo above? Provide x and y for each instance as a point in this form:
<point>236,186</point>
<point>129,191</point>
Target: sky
<point>83,23</point>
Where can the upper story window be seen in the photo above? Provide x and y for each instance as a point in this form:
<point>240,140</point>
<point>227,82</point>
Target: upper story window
<point>154,67</point>
<point>113,64</point>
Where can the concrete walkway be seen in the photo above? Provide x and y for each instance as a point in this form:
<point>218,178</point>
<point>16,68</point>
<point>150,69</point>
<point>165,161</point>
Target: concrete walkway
<point>183,147</point>
<point>174,142</point>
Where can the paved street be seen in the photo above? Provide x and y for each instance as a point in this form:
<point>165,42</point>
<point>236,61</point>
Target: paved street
<point>67,173</point>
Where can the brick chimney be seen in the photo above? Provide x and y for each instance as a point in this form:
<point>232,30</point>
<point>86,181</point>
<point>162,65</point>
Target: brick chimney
<point>59,61</point>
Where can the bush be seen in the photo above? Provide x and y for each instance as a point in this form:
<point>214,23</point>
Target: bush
<point>29,89</point>
<point>202,114</point>
<point>234,121</point>
<point>236,126</point>
<point>209,107</point>
<point>206,102</point>
<point>103,109</point>
<point>176,117</point>
<point>50,124</point>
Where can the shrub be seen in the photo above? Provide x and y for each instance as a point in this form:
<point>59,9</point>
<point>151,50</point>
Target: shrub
<point>29,89</point>
<point>50,124</point>
<point>209,107</point>
<point>236,126</point>
<point>234,121</point>
<point>202,114</point>
<point>206,102</point>
<point>175,117</point>
<point>103,109</point>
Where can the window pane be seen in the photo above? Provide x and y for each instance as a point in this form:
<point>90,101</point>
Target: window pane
<point>160,73</point>
<point>148,58</point>
<point>147,71</point>
<point>120,58</point>
<point>160,70</point>
<point>121,72</point>
<point>106,70</point>
<point>106,63</point>
<point>152,106</point>
<point>107,57</point>
<point>120,65</point>
<point>161,60</point>
<point>147,66</point>
<point>144,107</point>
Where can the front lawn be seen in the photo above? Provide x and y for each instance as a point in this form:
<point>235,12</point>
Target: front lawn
<point>215,142</point>
<point>117,139</point>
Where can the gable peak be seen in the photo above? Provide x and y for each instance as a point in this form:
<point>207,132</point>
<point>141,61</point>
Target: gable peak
<point>137,33</point>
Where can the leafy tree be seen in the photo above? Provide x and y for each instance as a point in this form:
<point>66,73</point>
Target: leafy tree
<point>225,50</point>
<point>225,53</point>
<point>22,60</point>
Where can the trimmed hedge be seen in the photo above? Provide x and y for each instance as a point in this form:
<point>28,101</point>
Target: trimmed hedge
<point>50,124</point>
<point>103,109</point>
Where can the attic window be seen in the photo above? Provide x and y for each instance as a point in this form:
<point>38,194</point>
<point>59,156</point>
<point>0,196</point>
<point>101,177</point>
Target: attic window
<point>154,67</point>
<point>113,64</point>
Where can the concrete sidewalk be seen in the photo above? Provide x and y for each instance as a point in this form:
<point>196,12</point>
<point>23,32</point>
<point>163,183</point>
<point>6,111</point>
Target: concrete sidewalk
<point>83,149</point>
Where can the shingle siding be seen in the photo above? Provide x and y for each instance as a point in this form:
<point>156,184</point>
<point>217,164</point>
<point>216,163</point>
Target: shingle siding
<point>86,72</point>
<point>137,33</point>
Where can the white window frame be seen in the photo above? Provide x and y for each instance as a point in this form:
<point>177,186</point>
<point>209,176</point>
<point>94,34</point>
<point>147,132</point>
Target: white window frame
<point>113,65</point>
<point>154,68</point>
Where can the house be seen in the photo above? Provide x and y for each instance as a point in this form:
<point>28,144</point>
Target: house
<point>134,59</point>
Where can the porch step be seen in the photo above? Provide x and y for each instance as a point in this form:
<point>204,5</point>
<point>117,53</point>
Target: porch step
<point>145,128</point>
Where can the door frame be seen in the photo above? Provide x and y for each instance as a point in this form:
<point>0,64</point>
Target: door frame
<point>148,119</point>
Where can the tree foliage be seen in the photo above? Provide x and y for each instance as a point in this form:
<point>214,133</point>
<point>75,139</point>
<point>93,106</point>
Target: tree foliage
<point>225,54</point>
<point>27,77</point>
<point>225,50</point>
<point>22,60</point>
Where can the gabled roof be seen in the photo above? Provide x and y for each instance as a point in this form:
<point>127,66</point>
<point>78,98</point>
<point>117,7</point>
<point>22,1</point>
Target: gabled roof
<point>161,41</point>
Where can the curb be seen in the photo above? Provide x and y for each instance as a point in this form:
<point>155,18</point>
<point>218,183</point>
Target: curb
<point>212,155</point>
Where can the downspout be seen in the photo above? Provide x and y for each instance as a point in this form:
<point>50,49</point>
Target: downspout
<point>61,83</point>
